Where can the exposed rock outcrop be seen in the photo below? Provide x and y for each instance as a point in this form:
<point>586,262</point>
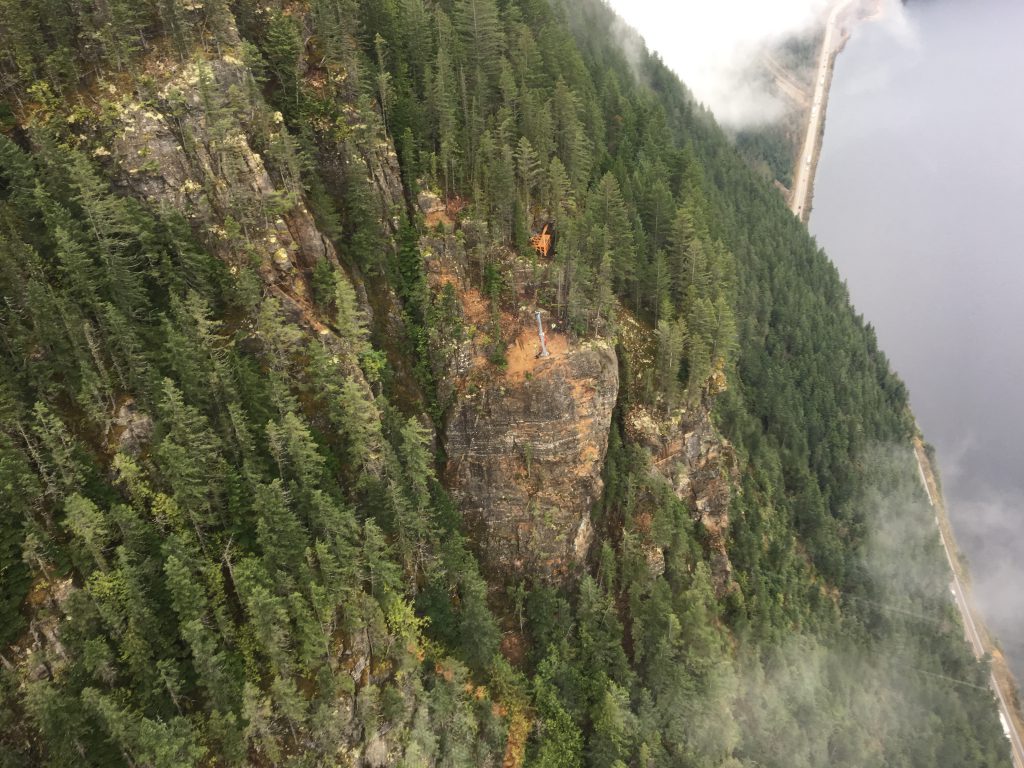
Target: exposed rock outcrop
<point>204,143</point>
<point>130,429</point>
<point>700,464</point>
<point>525,459</point>
<point>525,439</point>
<point>39,651</point>
<point>189,151</point>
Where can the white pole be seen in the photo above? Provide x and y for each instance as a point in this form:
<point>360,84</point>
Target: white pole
<point>540,331</point>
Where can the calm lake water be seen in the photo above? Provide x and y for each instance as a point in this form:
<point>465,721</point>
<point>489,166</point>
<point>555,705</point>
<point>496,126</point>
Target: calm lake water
<point>919,201</point>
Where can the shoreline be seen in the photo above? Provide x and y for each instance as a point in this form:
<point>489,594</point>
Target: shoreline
<point>981,640</point>
<point>801,196</point>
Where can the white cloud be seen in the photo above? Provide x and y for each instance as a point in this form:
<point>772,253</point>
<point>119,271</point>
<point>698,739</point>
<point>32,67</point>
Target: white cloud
<point>711,45</point>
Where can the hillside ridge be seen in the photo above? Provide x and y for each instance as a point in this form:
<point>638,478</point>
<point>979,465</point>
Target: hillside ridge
<point>287,484</point>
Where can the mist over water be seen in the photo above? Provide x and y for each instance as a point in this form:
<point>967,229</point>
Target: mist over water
<point>919,200</point>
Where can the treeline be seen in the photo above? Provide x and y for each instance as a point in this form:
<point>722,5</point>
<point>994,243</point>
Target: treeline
<point>226,540</point>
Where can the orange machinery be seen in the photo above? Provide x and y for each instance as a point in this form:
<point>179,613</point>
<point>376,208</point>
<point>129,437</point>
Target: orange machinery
<point>541,242</point>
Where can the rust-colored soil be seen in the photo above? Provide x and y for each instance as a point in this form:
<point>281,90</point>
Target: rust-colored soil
<point>522,353</point>
<point>513,647</point>
<point>475,307</point>
<point>433,218</point>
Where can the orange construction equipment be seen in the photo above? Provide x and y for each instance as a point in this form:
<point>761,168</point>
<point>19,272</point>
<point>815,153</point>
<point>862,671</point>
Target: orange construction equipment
<point>542,242</point>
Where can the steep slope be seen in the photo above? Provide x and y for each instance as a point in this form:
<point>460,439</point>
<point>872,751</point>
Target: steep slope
<point>525,437</point>
<point>526,460</point>
<point>288,486</point>
<point>214,562</point>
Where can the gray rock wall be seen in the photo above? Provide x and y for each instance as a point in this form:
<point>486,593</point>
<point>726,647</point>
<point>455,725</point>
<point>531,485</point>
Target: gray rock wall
<point>525,460</point>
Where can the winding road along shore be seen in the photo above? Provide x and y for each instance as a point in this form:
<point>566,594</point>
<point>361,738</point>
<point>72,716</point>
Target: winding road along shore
<point>977,638</point>
<point>1000,678</point>
<point>800,197</point>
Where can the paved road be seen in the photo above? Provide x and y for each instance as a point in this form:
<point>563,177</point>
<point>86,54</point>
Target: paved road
<point>971,629</point>
<point>805,162</point>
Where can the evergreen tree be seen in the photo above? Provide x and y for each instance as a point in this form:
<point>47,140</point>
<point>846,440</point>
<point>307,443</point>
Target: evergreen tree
<point>180,586</point>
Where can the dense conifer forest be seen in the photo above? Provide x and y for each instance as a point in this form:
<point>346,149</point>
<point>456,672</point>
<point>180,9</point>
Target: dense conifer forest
<point>226,536</point>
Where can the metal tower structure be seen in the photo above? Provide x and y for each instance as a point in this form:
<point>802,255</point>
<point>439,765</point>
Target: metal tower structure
<point>540,332</point>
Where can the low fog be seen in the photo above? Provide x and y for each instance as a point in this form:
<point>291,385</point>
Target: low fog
<point>715,47</point>
<point>797,705</point>
<point>918,201</point>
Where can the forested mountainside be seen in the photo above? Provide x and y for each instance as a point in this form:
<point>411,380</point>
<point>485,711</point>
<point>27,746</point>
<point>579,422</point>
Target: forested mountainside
<point>285,483</point>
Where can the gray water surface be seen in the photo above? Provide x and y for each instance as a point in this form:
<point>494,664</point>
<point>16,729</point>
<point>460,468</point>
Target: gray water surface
<point>919,201</point>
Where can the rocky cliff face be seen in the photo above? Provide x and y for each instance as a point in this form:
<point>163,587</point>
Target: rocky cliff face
<point>191,148</point>
<point>700,464</point>
<point>525,459</point>
<point>526,440</point>
<point>526,444</point>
